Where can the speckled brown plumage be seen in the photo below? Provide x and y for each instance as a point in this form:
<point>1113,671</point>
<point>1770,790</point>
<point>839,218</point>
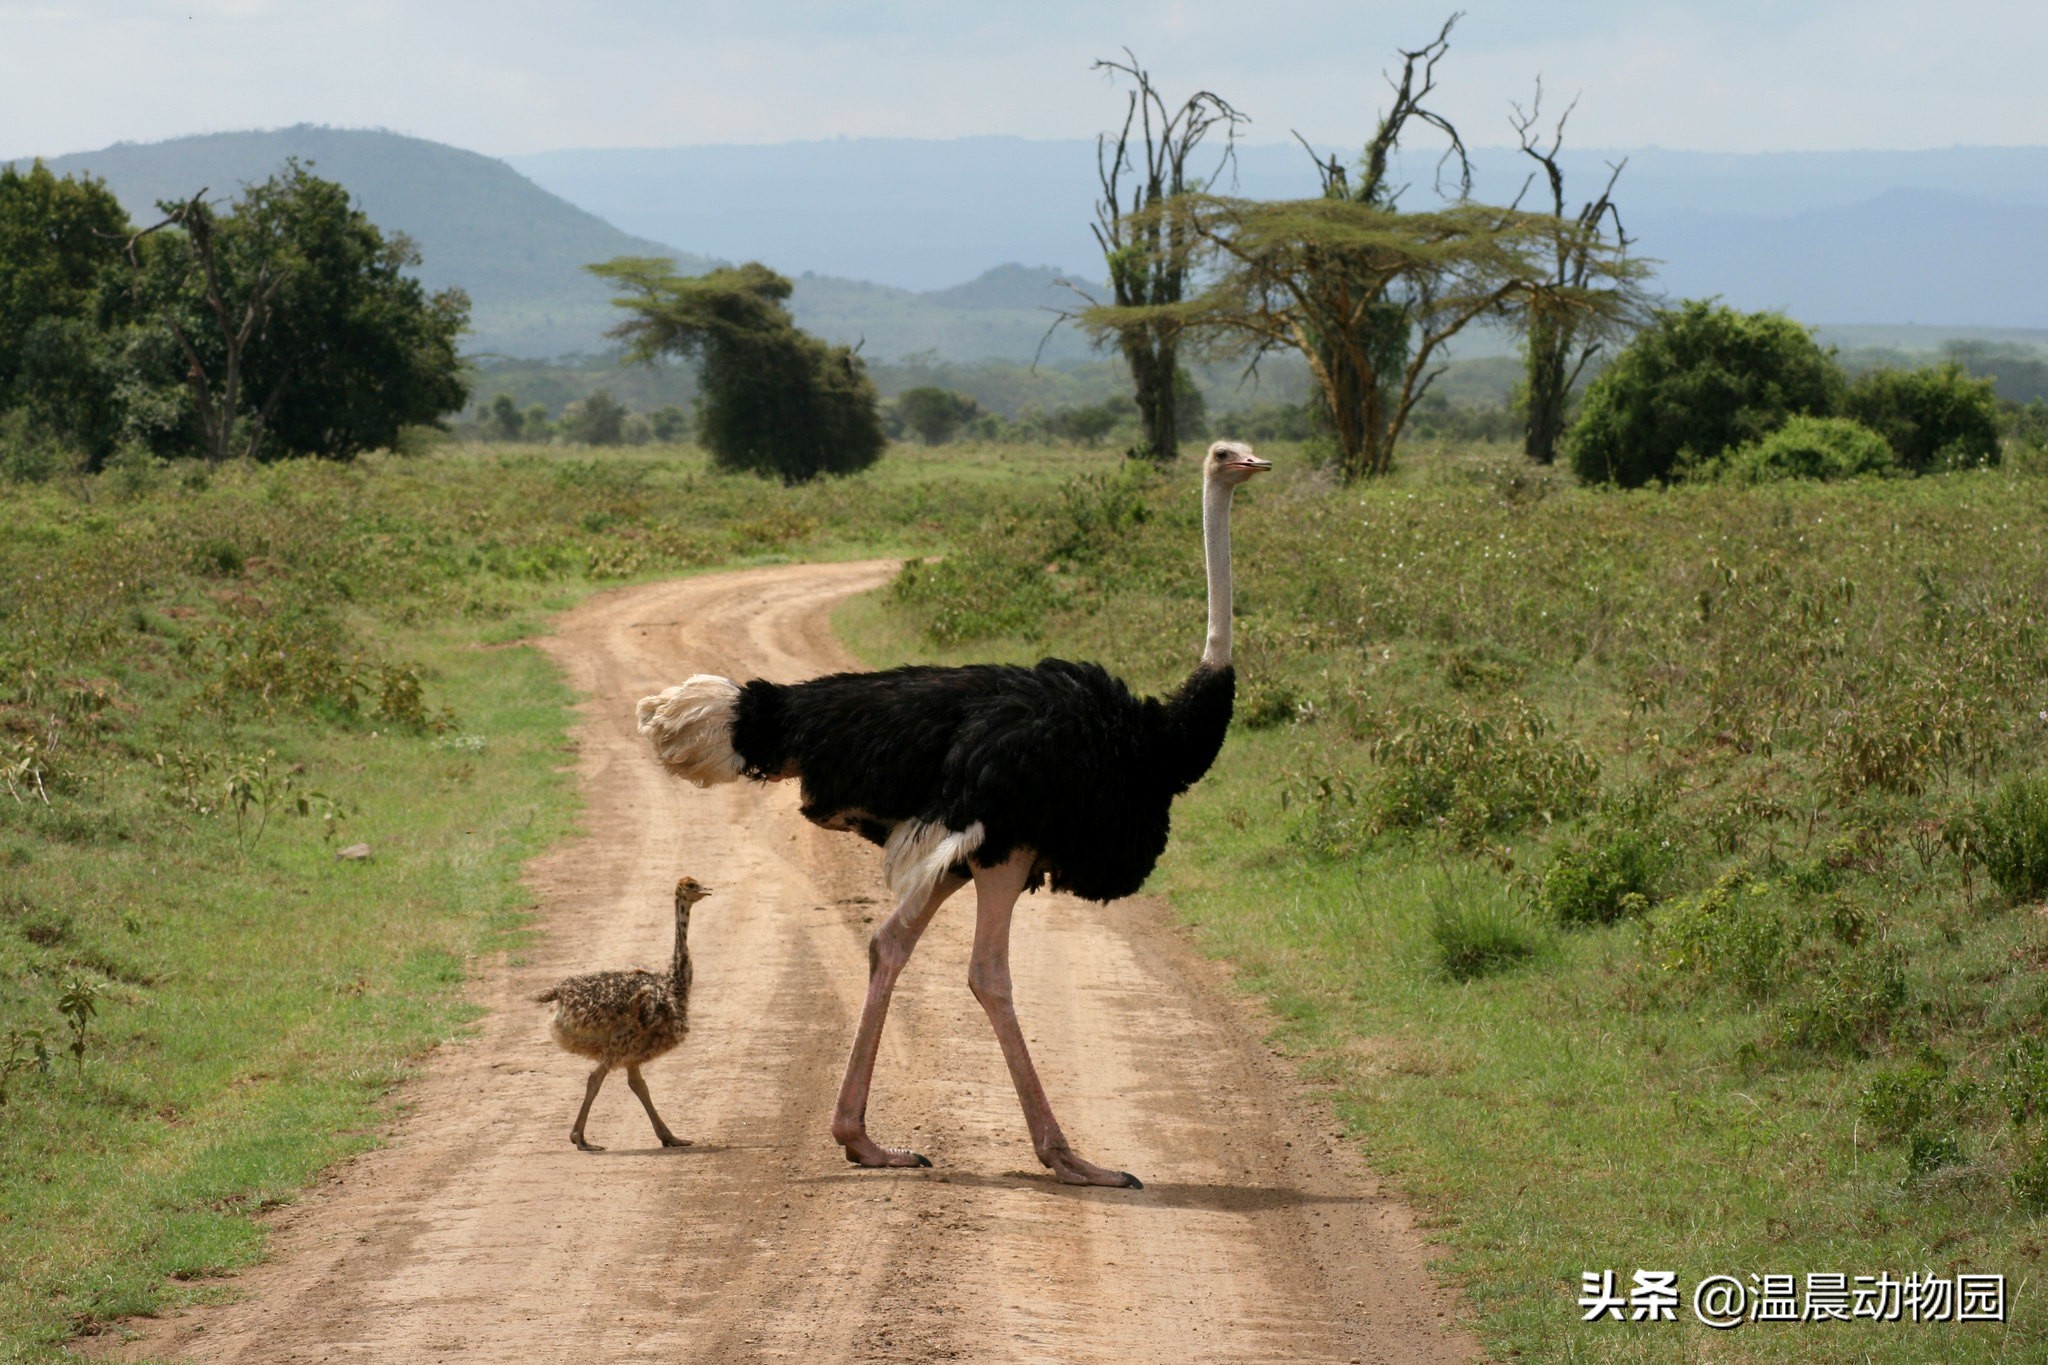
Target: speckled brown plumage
<point>627,1018</point>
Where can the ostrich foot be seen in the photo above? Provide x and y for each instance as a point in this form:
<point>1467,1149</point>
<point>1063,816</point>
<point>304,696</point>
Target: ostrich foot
<point>863,1150</point>
<point>1071,1170</point>
<point>583,1146</point>
<point>671,1140</point>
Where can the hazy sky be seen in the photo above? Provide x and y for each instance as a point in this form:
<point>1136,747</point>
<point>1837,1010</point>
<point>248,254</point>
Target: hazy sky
<point>511,76</point>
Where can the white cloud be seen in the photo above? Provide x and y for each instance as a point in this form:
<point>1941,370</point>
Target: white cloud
<point>524,76</point>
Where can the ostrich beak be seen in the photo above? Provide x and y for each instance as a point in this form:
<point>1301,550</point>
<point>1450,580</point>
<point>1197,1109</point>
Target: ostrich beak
<point>1252,464</point>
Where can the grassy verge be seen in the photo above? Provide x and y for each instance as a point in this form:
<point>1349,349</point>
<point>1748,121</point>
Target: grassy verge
<point>211,683</point>
<point>1655,877</point>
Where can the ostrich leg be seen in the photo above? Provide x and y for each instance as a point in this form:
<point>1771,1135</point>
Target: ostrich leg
<point>639,1087</point>
<point>583,1114</point>
<point>988,975</point>
<point>888,950</point>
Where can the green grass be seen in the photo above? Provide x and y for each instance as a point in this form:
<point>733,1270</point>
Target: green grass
<point>211,681</point>
<point>1775,1014</point>
<point>1763,729</point>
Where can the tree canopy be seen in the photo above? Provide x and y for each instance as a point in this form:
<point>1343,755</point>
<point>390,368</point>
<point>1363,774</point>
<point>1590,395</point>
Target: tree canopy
<point>285,325</point>
<point>776,400</point>
<point>1367,293</point>
<point>1934,418</point>
<point>1701,379</point>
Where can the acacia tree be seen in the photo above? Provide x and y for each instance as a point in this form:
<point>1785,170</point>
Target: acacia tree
<point>1366,341</point>
<point>1367,296</point>
<point>1367,293</point>
<point>1148,251</point>
<point>1587,299</point>
<point>776,400</point>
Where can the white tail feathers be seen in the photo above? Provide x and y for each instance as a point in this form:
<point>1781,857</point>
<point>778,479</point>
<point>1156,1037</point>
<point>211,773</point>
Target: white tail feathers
<point>691,726</point>
<point>918,854</point>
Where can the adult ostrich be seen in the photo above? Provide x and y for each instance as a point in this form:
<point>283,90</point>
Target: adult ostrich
<point>1002,775</point>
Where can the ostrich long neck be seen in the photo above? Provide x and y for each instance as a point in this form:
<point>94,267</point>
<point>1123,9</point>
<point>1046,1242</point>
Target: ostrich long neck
<point>679,971</point>
<point>1216,558</point>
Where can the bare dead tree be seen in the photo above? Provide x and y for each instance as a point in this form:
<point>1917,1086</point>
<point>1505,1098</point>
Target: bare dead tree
<point>217,394</point>
<point>1417,83</point>
<point>1149,252</point>
<point>1566,325</point>
<point>1369,367</point>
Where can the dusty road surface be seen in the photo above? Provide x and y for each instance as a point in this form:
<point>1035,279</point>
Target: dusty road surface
<point>479,1234</point>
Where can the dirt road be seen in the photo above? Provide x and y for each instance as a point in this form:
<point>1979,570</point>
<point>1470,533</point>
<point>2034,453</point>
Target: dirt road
<point>480,1234</point>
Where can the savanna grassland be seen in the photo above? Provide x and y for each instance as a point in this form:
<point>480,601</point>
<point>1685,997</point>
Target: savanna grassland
<point>1651,880</point>
<point>213,683</point>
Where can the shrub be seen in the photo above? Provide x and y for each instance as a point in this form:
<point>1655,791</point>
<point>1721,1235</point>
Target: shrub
<point>26,455</point>
<point>2030,1179</point>
<point>599,420</point>
<point>2024,1086</point>
<point>1810,448</point>
<point>935,414</point>
<point>1700,380</point>
<point>1849,1003</point>
<point>975,595</point>
<point>1930,1150</point>
<point>1097,513</point>
<point>1933,418</point>
<point>1475,937</point>
<point>2015,837</point>
<point>1609,874</point>
<point>1895,1103</point>
<point>1733,932</point>
<point>1474,774</point>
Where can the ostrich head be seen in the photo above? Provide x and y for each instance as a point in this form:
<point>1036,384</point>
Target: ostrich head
<point>689,891</point>
<point>1230,463</point>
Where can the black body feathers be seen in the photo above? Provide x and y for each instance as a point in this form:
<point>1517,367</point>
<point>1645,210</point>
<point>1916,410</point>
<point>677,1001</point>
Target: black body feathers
<point>1059,758</point>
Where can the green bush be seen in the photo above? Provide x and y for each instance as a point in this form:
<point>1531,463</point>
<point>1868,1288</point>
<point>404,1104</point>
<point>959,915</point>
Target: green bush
<point>1810,448</point>
<point>1733,932</point>
<point>1473,937</point>
<point>2015,837</point>
<point>2030,1179</point>
<point>1848,1005</point>
<point>1933,418</point>
<point>1931,1149</point>
<point>935,414</point>
<point>1894,1103</point>
<point>599,420</point>
<point>1608,874</point>
<point>26,455</point>
<point>1472,774</point>
<point>975,595</point>
<point>1700,380</point>
<point>2024,1085</point>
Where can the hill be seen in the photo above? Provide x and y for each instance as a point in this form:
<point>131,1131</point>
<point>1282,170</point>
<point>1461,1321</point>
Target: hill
<point>518,249</point>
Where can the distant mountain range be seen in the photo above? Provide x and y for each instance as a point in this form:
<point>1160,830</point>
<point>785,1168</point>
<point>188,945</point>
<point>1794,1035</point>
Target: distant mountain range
<point>520,250</point>
<point>1948,239</point>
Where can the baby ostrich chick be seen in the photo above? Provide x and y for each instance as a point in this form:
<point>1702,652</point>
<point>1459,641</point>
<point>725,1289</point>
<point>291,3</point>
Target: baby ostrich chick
<point>627,1018</point>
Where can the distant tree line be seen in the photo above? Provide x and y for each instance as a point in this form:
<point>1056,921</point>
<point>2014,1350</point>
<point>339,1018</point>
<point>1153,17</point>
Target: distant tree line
<point>597,419</point>
<point>283,324</point>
